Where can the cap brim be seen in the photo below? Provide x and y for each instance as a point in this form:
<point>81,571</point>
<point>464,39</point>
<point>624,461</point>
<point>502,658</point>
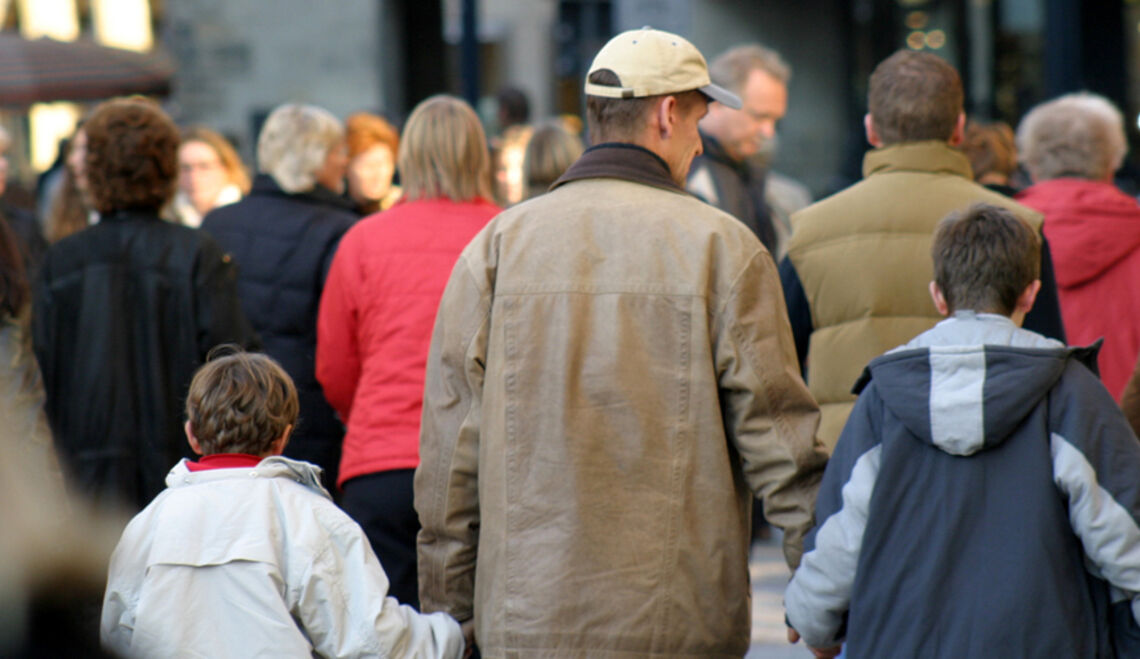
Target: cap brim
<point>721,95</point>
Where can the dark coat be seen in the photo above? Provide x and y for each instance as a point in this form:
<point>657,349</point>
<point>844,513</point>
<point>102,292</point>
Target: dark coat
<point>124,312</point>
<point>283,245</point>
<point>736,188</point>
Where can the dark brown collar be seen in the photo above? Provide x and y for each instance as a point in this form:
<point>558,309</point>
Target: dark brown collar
<point>628,162</point>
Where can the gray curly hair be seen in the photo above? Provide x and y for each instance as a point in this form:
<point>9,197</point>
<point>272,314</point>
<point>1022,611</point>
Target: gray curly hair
<point>1079,135</point>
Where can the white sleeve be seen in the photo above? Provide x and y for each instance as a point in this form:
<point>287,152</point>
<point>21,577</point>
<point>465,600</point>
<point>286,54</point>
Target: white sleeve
<point>117,625</point>
<point>343,607</point>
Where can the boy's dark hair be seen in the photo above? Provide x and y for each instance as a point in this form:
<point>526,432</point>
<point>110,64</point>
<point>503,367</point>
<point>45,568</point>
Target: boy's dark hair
<point>914,96</point>
<point>240,402</point>
<point>984,258</point>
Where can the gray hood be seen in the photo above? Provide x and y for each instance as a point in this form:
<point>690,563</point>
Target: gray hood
<point>966,384</point>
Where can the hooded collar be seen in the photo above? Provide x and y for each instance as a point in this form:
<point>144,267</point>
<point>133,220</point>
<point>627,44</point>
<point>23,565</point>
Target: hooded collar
<point>1091,226</point>
<point>930,156</point>
<point>276,466</point>
<point>620,160</point>
<point>265,185</point>
<point>966,385</point>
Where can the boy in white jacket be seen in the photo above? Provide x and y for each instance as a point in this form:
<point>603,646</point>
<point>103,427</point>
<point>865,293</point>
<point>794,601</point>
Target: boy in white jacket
<point>245,554</point>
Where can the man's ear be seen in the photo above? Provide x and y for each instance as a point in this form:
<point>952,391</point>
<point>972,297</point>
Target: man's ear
<point>959,133</point>
<point>872,135</point>
<point>1028,296</point>
<point>194,445</point>
<point>666,116</point>
<point>939,299</point>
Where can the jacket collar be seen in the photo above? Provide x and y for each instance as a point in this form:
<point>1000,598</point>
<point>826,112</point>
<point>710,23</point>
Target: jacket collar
<point>628,162</point>
<point>127,215</point>
<point>264,185</point>
<point>930,156</point>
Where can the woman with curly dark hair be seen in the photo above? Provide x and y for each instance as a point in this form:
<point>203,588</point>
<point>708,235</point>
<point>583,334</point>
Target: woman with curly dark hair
<point>125,310</point>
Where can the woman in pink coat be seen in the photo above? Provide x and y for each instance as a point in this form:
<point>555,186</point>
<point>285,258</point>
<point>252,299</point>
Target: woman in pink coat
<point>376,318</point>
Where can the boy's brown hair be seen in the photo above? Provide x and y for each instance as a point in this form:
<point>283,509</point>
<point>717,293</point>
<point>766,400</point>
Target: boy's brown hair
<point>984,259</point>
<point>240,402</point>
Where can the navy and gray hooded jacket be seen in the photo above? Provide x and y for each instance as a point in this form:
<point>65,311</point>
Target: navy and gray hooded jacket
<point>984,489</point>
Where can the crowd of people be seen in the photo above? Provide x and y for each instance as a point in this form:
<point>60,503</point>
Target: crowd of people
<point>418,392</point>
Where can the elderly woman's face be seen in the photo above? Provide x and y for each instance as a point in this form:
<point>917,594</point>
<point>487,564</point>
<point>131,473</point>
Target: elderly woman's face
<point>331,174</point>
<point>370,174</point>
<point>201,175</point>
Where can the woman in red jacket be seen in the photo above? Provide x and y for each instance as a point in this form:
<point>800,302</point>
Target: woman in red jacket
<point>376,318</point>
<point>1072,146</point>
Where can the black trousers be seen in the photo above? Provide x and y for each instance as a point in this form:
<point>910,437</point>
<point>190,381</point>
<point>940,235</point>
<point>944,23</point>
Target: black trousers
<point>381,504</point>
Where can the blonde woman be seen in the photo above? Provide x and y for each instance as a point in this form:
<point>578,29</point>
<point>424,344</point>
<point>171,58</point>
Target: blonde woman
<point>210,174</point>
<point>283,237</point>
<point>550,152</point>
<point>376,319</point>
<point>372,147</point>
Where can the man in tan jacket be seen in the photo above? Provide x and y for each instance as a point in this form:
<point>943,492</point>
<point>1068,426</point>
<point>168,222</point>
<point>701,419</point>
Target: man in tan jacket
<point>611,378</point>
<point>858,262</point>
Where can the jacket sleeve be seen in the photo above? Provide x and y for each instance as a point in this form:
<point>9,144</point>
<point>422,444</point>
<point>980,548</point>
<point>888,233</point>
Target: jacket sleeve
<point>446,482</point>
<point>1045,316</point>
<point>799,310</point>
<point>338,355</point>
<point>819,594</point>
<point>770,417</point>
<point>343,607</point>
<point>1095,461</point>
<point>220,318</point>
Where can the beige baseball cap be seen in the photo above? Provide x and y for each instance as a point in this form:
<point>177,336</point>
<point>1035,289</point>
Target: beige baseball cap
<point>649,62</point>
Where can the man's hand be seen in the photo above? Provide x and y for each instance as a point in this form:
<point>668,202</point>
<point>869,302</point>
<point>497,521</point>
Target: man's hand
<point>820,653</point>
<point>468,629</point>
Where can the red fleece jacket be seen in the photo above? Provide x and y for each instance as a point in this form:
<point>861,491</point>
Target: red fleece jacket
<point>374,327</point>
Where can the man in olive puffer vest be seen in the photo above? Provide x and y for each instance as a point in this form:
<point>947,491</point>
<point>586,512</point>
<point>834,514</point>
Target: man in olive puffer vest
<point>858,262</point>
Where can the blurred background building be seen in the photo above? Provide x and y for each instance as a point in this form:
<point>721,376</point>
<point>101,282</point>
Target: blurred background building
<point>234,60</point>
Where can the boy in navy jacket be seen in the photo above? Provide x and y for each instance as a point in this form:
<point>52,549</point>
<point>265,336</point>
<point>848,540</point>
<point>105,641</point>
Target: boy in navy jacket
<point>982,499</point>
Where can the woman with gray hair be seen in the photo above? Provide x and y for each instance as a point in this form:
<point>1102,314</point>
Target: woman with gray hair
<point>283,237</point>
<point>1071,147</point>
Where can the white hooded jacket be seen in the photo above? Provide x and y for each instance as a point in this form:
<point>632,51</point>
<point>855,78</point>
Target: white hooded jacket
<point>257,563</point>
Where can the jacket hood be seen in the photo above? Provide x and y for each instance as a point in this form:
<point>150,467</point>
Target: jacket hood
<point>1090,225</point>
<point>965,385</point>
<point>276,466</point>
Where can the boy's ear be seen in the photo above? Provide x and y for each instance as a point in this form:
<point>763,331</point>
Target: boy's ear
<point>278,446</point>
<point>1028,297</point>
<point>940,299</point>
<point>194,445</point>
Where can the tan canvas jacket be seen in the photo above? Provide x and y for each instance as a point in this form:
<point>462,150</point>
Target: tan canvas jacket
<point>611,377</point>
<point>863,257</point>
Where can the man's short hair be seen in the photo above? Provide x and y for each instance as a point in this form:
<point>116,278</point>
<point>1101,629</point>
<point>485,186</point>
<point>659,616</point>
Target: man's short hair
<point>984,258</point>
<point>132,155</point>
<point>914,96</point>
<point>622,119</point>
<point>240,402</point>
<point>1079,135</point>
<point>732,68</point>
<point>294,143</point>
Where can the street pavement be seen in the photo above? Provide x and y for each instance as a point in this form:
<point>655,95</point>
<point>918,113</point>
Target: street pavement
<point>769,577</point>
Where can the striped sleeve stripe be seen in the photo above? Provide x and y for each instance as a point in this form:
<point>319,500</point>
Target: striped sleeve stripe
<point>1108,532</point>
<point>820,592</point>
